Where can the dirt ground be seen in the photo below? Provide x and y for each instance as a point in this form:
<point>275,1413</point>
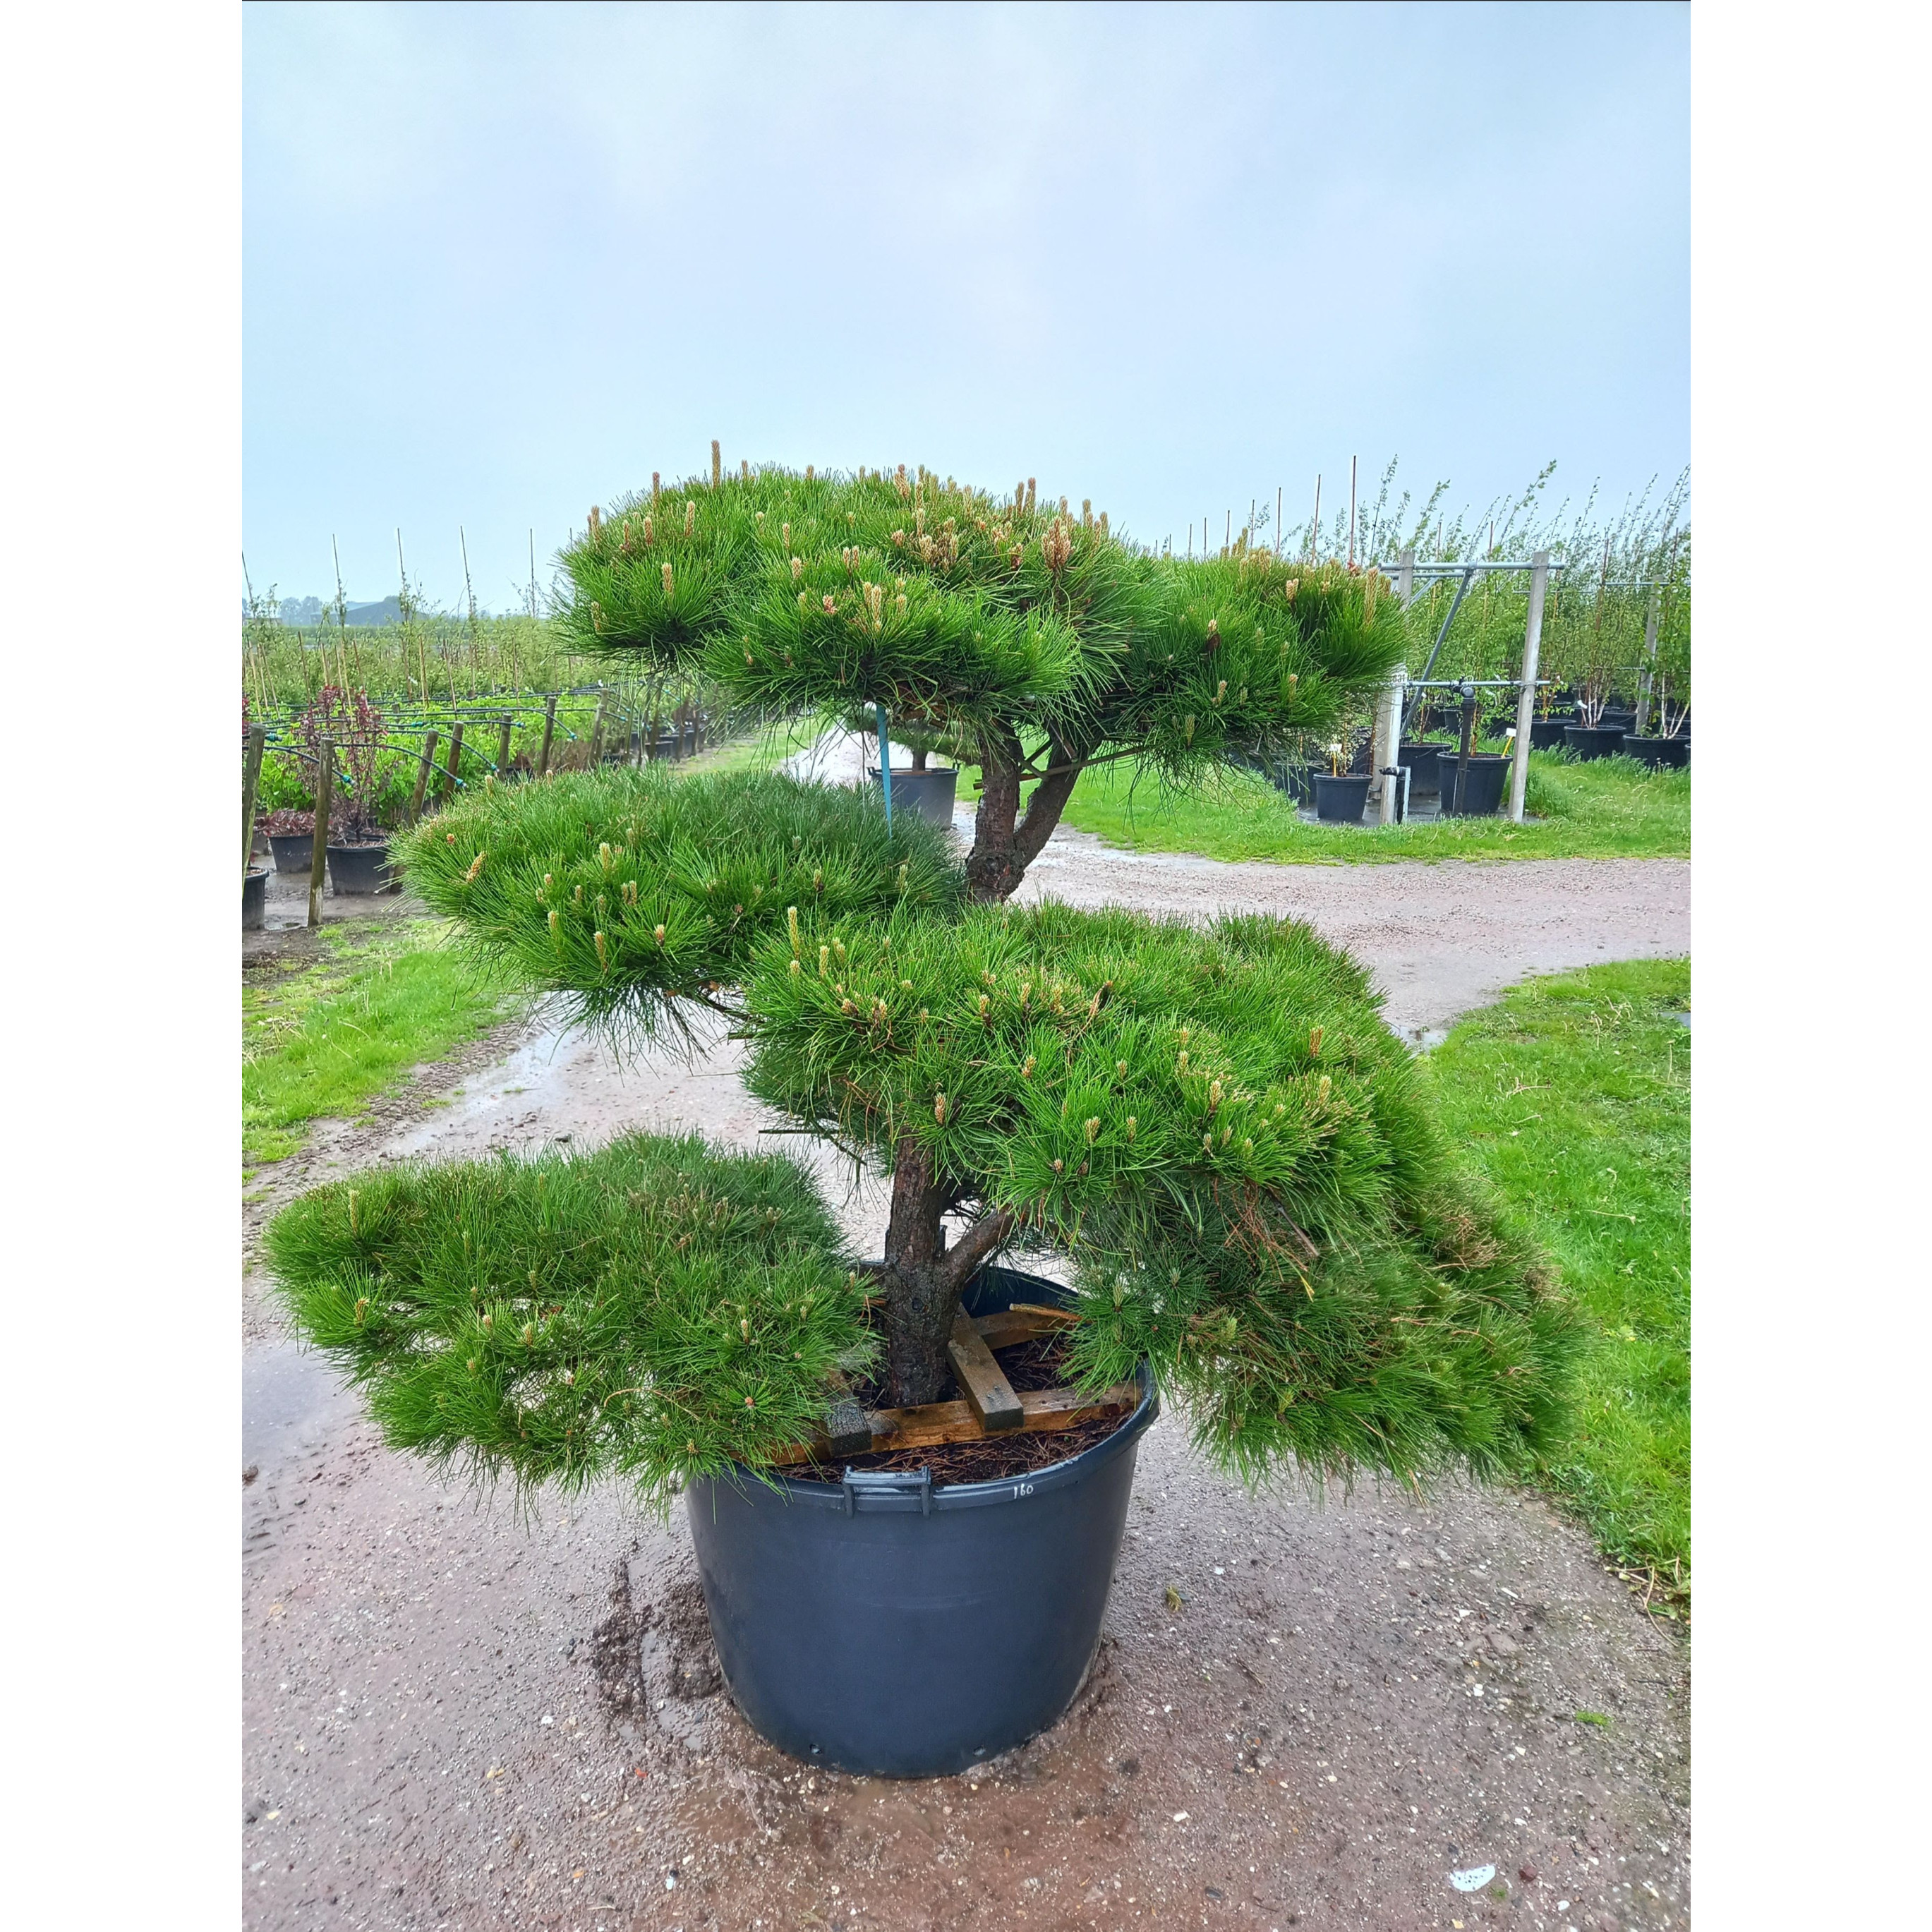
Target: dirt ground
<point>455,1717</point>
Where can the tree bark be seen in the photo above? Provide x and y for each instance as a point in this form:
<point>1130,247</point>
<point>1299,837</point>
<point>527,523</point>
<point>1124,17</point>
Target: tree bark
<point>1004,845</point>
<point>922,1279</point>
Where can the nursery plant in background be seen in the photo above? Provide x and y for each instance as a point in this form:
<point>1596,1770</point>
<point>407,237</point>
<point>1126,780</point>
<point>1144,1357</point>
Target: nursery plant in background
<point>1211,1130</point>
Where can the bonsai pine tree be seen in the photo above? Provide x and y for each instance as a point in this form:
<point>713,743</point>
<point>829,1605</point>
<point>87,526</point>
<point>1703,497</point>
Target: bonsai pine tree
<point>1212,1125</point>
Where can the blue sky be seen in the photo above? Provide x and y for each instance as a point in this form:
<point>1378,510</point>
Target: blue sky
<point>503,261</point>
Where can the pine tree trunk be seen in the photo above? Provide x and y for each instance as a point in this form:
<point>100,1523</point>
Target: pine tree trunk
<point>922,1279</point>
<point>1003,843</point>
<point>918,1304</point>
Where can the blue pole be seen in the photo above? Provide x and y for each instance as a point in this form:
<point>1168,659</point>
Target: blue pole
<point>885,764</point>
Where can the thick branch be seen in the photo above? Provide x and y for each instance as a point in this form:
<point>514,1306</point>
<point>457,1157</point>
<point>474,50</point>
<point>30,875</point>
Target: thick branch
<point>1043,809</point>
<point>973,1247</point>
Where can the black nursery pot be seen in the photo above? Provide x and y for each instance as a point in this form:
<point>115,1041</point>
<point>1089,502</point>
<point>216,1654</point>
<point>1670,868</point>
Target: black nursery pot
<point>1594,741</point>
<point>1617,717</point>
<point>1546,734</point>
<point>362,869</point>
<point>847,1615</point>
<point>1483,785</point>
<point>1339,801</point>
<point>1424,762</point>
<point>929,793</point>
<point>254,898</point>
<point>295,851</point>
<point>1659,754</point>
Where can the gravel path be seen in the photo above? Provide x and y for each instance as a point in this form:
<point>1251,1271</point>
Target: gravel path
<point>454,1718</point>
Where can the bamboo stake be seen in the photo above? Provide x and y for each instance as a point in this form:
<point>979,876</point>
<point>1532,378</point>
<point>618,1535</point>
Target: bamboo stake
<point>251,778</point>
<point>1351,513</point>
<point>1315,523</point>
<point>325,784</point>
<point>341,621</point>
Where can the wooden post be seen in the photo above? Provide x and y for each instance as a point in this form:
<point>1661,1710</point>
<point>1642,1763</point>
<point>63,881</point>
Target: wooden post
<point>1649,658</point>
<point>1526,701</point>
<point>453,771</point>
<point>251,779</point>
<point>503,751</point>
<point>550,727</point>
<point>1388,741</point>
<point>424,766</point>
<point>324,785</point>
<point>597,736</point>
<point>1405,577</point>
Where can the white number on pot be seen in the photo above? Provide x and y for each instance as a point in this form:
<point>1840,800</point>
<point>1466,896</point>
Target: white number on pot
<point>1022,1489</point>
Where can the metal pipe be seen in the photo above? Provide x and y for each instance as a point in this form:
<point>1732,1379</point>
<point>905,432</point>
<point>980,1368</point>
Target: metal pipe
<point>1469,578</point>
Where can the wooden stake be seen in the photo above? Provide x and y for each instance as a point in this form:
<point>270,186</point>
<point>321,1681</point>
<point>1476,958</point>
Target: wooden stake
<point>1314,524</point>
<point>1649,658</point>
<point>1351,513</point>
<point>717,474</point>
<point>933,1423</point>
<point>1388,743</point>
<point>549,726</point>
<point>1526,701</point>
<point>453,769</point>
<point>988,1394</point>
<point>424,766</point>
<point>251,778</point>
<point>325,786</point>
<point>503,751</point>
<point>597,736</point>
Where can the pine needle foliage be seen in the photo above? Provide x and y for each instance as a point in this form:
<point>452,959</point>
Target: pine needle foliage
<point>1219,1129</point>
<point>633,890</point>
<point>652,1309</point>
<point>960,611</point>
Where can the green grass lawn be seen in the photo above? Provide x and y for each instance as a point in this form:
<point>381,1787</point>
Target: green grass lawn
<point>324,1041</point>
<point>1573,1096</point>
<point>1611,809</point>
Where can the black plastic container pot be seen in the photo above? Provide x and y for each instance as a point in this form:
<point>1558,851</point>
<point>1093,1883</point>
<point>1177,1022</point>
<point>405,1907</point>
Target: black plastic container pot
<point>254,898</point>
<point>1617,717</point>
<point>295,851</point>
<point>1659,754</point>
<point>1482,783</point>
<point>1546,734</point>
<point>929,793</point>
<point>362,869</point>
<point>1422,762</point>
<point>1593,741</point>
<point>1339,801</point>
<point>847,1615</point>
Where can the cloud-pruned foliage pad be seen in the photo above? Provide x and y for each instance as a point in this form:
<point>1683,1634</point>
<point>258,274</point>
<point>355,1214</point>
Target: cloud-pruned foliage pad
<point>1220,1130</point>
<point>653,1309</point>
<point>632,890</point>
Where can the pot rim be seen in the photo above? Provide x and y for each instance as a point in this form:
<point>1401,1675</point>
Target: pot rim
<point>899,1492</point>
